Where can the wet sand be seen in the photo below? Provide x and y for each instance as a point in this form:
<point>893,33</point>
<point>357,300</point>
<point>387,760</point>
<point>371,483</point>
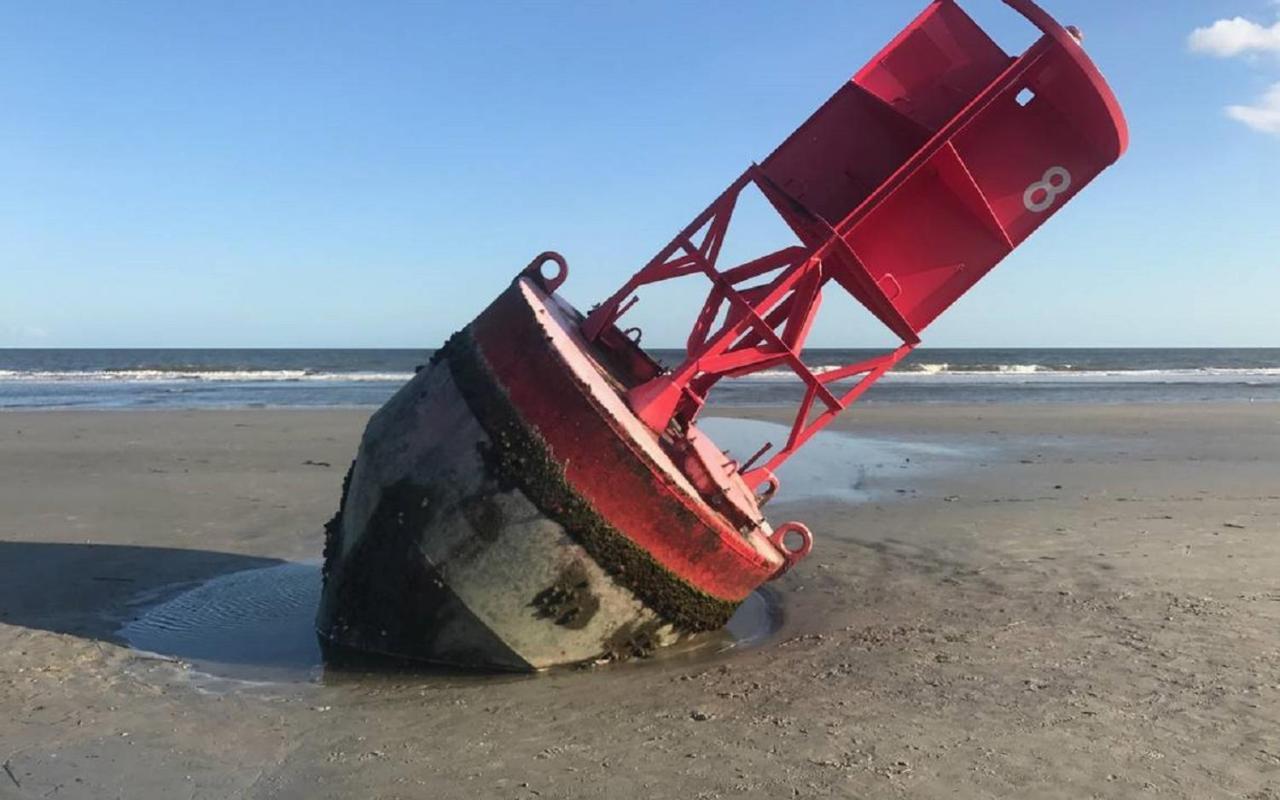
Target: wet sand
<point>1045,601</point>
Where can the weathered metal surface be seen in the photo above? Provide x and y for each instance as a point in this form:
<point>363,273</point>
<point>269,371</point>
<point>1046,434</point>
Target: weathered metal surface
<point>609,456</point>
<point>494,520</point>
<point>434,558</point>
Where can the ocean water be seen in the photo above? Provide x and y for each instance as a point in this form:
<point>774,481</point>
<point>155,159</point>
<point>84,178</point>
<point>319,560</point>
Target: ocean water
<point>139,378</point>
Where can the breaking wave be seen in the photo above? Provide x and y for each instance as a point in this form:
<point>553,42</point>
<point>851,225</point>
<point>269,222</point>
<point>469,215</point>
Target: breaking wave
<point>205,375</point>
<point>1040,373</point>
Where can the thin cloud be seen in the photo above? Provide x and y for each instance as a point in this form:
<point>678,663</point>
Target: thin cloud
<point>1228,38</point>
<point>1264,115</point>
<point>1233,37</point>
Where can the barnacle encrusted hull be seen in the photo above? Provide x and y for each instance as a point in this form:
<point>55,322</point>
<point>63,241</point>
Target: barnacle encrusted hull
<point>506,511</point>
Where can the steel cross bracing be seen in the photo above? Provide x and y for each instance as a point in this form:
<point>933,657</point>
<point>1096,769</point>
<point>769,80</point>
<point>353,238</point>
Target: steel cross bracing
<point>914,180</point>
<point>765,325</point>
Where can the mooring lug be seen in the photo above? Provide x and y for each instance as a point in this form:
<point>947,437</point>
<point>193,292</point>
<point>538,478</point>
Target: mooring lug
<point>537,273</point>
<point>796,555</point>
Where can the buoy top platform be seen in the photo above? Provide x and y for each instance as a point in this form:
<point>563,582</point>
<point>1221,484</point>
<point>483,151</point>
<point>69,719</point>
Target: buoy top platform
<point>541,493</point>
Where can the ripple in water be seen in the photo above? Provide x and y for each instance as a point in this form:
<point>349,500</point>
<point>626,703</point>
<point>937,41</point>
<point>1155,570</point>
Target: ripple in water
<point>254,625</point>
<point>257,626</point>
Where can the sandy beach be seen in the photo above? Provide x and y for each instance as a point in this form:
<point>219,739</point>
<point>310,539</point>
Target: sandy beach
<point>1060,601</point>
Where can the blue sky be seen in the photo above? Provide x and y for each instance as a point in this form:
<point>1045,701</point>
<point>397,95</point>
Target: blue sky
<point>351,174</point>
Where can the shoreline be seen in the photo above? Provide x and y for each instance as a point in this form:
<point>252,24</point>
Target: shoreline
<point>777,396</point>
<point>1082,604</point>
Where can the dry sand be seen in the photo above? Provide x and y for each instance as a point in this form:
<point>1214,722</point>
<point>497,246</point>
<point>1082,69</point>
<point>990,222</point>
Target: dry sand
<point>1087,608</point>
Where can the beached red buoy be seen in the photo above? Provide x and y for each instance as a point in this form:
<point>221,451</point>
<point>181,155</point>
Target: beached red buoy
<point>541,494</point>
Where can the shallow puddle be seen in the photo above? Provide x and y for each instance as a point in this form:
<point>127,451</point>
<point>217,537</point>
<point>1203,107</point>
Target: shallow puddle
<point>835,464</point>
<point>257,627</point>
<point>254,625</point>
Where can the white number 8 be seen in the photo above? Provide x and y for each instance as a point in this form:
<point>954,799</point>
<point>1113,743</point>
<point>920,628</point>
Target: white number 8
<point>1056,181</point>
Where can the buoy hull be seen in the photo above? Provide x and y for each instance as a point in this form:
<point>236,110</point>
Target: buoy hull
<point>505,510</point>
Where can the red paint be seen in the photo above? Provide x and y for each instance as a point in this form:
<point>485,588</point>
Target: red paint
<point>601,462</point>
<point>904,189</point>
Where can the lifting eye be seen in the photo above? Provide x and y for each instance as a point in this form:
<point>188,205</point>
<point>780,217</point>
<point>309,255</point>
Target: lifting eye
<point>548,262</point>
<point>787,535</point>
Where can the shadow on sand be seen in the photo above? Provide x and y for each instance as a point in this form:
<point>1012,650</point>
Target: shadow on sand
<point>229,616</point>
<point>89,590</point>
